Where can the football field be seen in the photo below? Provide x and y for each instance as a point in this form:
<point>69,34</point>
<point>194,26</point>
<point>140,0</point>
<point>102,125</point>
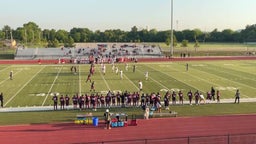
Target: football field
<point>34,85</point>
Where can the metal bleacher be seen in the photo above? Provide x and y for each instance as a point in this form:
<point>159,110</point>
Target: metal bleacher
<point>107,50</point>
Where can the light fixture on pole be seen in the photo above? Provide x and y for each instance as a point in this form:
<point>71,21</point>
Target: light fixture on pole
<point>172,28</point>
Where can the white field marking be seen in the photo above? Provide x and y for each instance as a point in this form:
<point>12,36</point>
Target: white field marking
<point>52,93</point>
<point>80,84</point>
<point>155,81</point>
<point>215,83</point>
<point>103,77</point>
<point>227,88</point>
<point>9,77</point>
<point>5,68</point>
<point>175,78</point>
<point>198,65</point>
<point>52,85</point>
<point>210,82</point>
<point>131,82</point>
<point>234,81</point>
<point>103,92</point>
<point>116,91</point>
<point>23,86</point>
<point>226,64</point>
<point>240,77</point>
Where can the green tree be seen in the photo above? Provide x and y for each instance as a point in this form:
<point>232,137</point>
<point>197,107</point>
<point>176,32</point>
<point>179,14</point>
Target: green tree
<point>69,42</point>
<point>196,45</point>
<point>184,43</point>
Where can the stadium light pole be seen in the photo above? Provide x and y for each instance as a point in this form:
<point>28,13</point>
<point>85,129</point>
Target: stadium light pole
<point>172,28</point>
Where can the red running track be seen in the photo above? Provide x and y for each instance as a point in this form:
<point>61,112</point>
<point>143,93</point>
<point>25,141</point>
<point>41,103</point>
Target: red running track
<point>159,128</point>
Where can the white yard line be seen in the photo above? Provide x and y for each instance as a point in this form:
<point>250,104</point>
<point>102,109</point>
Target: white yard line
<point>103,78</point>
<point>52,85</point>
<point>23,86</point>
<point>177,79</point>
<point>131,82</point>
<point>4,68</point>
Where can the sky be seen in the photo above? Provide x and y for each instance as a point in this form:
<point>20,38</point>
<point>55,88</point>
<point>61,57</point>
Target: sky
<point>205,15</point>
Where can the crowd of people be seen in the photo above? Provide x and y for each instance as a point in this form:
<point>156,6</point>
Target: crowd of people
<point>137,99</point>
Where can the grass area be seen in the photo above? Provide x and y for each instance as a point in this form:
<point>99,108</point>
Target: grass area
<point>211,49</point>
<point>14,118</point>
<point>34,85</point>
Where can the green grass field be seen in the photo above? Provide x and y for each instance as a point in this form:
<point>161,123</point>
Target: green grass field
<point>36,84</point>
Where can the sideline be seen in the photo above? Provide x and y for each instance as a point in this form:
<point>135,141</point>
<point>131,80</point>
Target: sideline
<point>50,108</point>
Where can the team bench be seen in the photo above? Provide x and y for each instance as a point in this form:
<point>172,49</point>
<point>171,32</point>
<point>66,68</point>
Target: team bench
<point>164,114</point>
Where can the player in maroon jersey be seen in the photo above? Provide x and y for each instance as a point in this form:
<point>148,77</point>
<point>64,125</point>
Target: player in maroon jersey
<point>75,101</point>
<point>190,97</point>
<point>180,97</point>
<point>218,96</point>
<point>197,95</point>
<point>55,102</point>
<point>62,102</point>
<point>67,100</point>
<point>174,97</point>
<point>118,96</point>
<point>89,78</point>
<point>92,87</point>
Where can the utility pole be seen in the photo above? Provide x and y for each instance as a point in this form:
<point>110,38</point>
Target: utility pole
<point>172,28</point>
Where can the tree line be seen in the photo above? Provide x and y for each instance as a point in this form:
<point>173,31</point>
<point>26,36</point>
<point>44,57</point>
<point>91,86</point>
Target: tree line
<point>31,33</point>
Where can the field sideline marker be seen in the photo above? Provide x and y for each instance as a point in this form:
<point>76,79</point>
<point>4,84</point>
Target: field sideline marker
<point>23,86</point>
<point>52,85</point>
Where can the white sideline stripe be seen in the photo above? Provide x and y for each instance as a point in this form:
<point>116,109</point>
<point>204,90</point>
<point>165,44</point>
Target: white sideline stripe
<point>103,78</point>
<point>80,86</point>
<point>52,85</point>
<point>155,81</point>
<point>23,86</point>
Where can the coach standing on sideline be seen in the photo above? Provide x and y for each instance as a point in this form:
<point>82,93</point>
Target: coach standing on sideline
<point>2,99</point>
<point>237,96</point>
<point>55,102</point>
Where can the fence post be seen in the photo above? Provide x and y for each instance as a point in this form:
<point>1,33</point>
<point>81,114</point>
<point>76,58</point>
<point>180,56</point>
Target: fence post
<point>228,138</point>
<point>146,141</point>
<point>188,139</point>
